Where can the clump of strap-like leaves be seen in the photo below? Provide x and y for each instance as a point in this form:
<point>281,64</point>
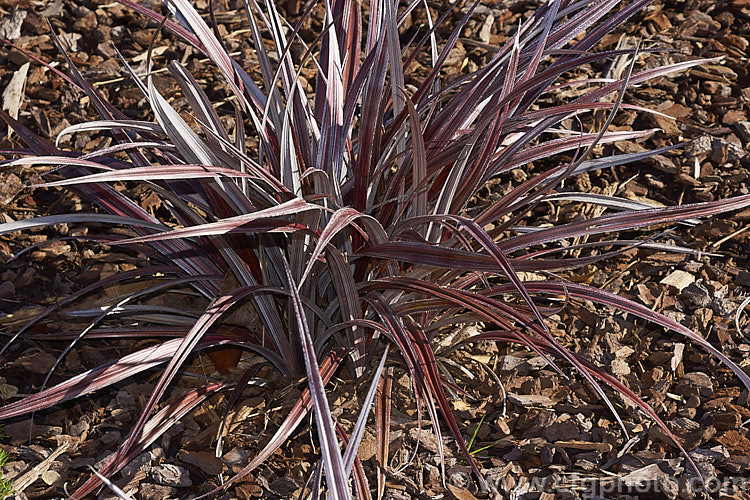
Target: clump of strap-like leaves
<point>344,239</point>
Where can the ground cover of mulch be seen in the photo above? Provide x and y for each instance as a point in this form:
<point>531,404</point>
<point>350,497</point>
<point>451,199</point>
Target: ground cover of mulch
<point>536,435</point>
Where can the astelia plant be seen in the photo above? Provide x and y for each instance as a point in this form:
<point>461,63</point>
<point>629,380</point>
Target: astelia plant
<point>347,231</point>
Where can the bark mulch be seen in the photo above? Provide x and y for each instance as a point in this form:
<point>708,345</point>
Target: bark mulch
<point>537,435</point>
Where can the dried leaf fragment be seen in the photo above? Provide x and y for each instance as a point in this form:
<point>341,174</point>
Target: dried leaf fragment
<point>13,93</point>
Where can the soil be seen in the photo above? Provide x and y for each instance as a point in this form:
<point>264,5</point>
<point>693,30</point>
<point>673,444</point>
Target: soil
<point>535,434</point>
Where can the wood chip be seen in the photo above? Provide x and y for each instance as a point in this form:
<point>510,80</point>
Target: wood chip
<point>171,475</point>
<point>460,493</point>
<point>205,461</point>
<point>678,279</point>
<point>50,477</point>
<point>27,479</point>
<point>641,477</point>
<point>10,27</point>
<point>8,391</point>
<point>727,420</point>
<point>486,31</point>
<point>679,348</point>
<point>736,443</point>
<point>530,400</point>
<point>695,384</point>
<point>585,445</point>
